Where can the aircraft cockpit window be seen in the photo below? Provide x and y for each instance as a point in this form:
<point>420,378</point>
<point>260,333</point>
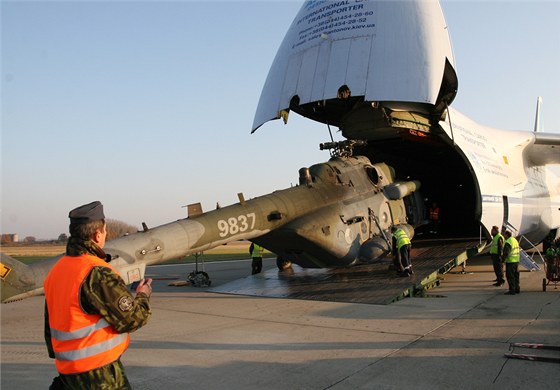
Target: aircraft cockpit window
<point>373,175</point>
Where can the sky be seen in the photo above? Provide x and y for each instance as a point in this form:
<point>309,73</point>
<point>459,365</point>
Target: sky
<point>148,106</point>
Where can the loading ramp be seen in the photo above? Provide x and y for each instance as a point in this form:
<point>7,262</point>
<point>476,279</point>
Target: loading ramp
<point>367,283</point>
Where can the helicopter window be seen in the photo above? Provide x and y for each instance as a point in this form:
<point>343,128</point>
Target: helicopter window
<point>373,175</point>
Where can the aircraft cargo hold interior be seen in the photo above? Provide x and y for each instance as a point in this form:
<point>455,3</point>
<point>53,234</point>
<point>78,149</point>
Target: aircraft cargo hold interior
<point>409,138</point>
<point>444,175</point>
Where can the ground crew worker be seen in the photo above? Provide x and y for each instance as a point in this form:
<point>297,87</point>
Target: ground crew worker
<point>255,251</point>
<point>511,258</point>
<point>401,252</point>
<point>89,311</point>
<point>555,267</point>
<point>434,218</point>
<point>496,249</point>
<point>551,254</point>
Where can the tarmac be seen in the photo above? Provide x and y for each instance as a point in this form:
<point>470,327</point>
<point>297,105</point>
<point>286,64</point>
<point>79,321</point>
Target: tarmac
<point>455,337</point>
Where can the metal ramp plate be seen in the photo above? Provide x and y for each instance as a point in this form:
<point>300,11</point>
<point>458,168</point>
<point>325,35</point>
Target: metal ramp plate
<point>368,283</point>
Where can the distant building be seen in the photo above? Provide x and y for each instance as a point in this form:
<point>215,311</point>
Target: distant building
<point>9,238</point>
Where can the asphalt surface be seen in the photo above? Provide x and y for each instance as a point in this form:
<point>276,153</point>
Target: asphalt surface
<point>454,338</point>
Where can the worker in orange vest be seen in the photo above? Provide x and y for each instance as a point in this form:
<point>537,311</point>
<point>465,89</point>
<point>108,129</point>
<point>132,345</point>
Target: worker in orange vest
<point>434,218</point>
<point>89,311</point>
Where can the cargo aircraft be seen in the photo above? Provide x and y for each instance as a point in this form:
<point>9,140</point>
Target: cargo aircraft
<point>396,59</point>
<point>383,73</point>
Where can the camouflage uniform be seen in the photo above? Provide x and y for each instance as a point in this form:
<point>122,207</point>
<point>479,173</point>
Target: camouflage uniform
<point>103,292</point>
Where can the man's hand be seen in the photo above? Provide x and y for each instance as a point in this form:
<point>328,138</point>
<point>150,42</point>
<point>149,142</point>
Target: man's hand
<point>145,286</point>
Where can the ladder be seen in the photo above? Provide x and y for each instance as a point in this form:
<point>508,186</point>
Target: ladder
<point>527,260</point>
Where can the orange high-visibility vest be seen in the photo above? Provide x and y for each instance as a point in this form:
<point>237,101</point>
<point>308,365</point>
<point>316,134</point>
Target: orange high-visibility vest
<point>81,341</point>
<point>434,213</point>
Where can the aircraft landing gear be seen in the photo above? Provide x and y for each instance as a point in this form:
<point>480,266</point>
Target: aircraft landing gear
<point>199,278</point>
<point>283,264</point>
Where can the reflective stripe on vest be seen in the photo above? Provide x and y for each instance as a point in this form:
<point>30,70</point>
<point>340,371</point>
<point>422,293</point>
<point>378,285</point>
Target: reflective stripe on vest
<point>401,237</point>
<point>93,350</point>
<point>81,341</point>
<point>61,335</point>
<point>513,256</point>
<point>494,246</point>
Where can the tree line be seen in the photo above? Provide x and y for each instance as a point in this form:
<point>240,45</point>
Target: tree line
<point>115,229</point>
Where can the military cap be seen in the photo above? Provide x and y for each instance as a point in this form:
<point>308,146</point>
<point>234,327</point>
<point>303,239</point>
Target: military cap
<point>87,213</point>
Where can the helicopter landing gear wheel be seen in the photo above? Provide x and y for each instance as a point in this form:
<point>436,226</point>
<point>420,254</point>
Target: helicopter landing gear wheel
<point>283,264</point>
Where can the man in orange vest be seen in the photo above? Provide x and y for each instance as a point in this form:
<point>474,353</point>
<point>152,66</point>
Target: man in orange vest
<point>434,218</point>
<point>89,311</point>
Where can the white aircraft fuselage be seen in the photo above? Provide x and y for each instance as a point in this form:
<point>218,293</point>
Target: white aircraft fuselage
<point>396,58</point>
<point>513,188</point>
